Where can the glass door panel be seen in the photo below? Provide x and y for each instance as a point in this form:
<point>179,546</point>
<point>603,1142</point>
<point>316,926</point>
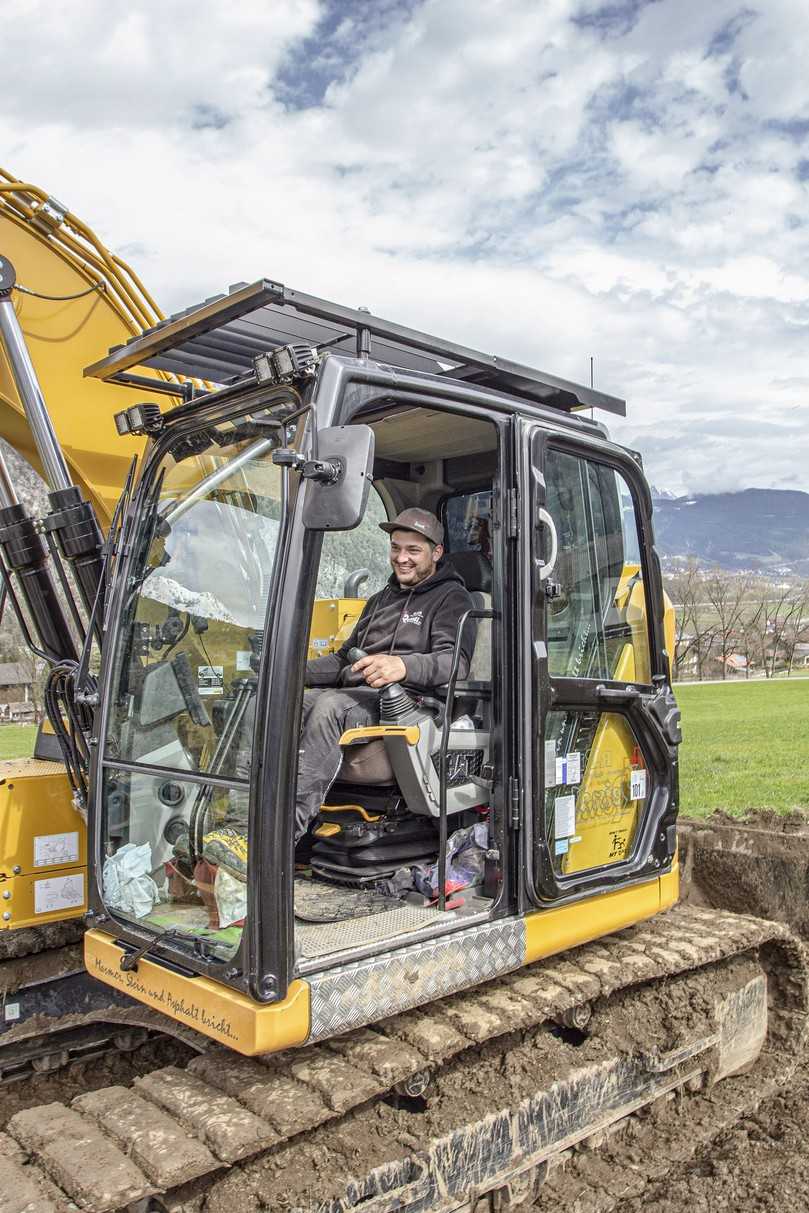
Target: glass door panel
<point>602,768</point>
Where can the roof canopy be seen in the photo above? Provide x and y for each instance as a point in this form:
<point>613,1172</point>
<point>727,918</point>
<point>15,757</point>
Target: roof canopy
<point>218,340</point>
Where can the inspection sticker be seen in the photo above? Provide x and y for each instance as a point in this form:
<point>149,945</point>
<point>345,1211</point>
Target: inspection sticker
<point>637,784</point>
<point>568,768</point>
<point>12,1011</point>
<point>210,679</point>
<point>550,764</point>
<point>561,846</point>
<point>243,659</point>
<point>53,850</point>
<point>58,893</point>
<point>564,816</point>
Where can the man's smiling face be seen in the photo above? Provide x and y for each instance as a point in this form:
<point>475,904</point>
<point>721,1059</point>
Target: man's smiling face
<point>413,559</point>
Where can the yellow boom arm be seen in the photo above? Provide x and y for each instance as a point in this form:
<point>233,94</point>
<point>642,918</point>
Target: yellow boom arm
<point>56,255</point>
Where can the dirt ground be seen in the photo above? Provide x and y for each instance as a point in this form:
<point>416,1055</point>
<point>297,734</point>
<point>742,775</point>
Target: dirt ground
<point>759,1166</point>
<point>762,1164</point>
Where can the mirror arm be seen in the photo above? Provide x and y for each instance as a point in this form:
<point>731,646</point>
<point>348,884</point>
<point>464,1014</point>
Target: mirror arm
<point>322,470</point>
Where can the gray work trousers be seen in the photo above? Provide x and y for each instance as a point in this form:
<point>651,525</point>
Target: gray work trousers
<point>327,713</point>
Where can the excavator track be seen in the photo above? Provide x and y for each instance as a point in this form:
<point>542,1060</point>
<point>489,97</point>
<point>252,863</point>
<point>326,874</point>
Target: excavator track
<point>465,1104</point>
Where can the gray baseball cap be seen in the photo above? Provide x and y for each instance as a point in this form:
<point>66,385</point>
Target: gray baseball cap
<point>421,521</point>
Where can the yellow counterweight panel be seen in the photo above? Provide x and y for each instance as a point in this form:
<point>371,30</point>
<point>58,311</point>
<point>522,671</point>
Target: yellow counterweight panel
<point>333,620</point>
<point>43,846</point>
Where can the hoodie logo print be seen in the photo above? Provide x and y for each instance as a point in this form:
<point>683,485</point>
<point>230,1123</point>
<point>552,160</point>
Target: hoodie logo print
<point>416,618</point>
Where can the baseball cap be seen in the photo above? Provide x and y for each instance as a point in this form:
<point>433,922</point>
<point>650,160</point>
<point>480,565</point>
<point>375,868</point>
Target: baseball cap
<point>420,521</point>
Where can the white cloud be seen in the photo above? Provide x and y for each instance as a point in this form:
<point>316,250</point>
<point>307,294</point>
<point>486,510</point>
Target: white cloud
<point>544,181</point>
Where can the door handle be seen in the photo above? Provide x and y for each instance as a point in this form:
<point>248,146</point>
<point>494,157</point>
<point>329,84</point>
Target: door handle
<point>617,694</point>
<point>547,567</point>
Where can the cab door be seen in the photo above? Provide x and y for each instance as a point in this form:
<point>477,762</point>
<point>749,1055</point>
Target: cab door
<point>602,727</point>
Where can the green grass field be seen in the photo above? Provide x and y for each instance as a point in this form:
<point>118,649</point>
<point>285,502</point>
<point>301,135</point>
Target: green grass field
<point>745,746</point>
<point>17,740</point>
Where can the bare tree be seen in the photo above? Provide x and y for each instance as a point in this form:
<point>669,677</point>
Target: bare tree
<point>781,607</point>
<point>683,589</point>
<point>796,627</point>
<point>728,594</point>
<point>695,627</point>
<point>751,630</point>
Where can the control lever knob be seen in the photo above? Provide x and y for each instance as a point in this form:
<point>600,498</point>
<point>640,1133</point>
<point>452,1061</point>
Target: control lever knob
<point>355,655</point>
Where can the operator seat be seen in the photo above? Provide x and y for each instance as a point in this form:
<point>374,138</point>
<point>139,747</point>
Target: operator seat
<point>381,812</point>
<point>368,763</point>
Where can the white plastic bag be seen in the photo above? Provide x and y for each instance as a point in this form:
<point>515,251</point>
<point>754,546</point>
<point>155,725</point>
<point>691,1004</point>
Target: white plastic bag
<point>231,898</point>
<point>128,887</point>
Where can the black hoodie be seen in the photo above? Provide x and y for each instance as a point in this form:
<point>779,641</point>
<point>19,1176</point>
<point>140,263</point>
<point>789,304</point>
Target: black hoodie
<point>415,623</point>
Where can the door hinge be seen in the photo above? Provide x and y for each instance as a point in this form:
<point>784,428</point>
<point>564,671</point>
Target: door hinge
<point>512,515</point>
<point>514,801</point>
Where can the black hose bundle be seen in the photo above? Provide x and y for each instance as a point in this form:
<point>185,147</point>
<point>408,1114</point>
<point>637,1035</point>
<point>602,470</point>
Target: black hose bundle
<point>72,722</point>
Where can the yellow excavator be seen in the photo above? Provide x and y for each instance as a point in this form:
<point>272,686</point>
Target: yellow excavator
<point>375,1021</point>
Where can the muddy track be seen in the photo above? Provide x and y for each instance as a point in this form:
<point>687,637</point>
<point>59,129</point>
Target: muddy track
<point>650,1157</point>
<point>226,1132</point>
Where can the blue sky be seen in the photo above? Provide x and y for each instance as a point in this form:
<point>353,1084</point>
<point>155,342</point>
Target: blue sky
<point>545,179</point>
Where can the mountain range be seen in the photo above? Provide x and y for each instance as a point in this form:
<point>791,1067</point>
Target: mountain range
<point>761,530</point>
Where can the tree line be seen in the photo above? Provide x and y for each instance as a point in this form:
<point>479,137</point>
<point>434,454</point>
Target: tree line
<point>737,624</point>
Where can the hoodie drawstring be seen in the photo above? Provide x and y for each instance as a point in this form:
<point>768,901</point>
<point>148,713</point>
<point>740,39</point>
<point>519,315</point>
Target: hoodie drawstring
<point>372,616</point>
<point>402,614</point>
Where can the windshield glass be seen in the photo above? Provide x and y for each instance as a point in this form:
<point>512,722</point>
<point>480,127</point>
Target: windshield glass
<point>183,686</point>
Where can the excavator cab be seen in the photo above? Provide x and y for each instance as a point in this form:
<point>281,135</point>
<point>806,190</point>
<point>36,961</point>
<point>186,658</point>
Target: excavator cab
<point>521,809</point>
<point>473,824</point>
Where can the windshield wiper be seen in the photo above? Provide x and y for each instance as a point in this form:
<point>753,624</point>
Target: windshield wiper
<point>203,947</point>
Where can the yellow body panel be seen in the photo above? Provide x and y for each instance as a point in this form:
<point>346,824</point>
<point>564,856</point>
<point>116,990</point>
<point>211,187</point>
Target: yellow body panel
<point>670,886</point>
<point>223,1014</point>
<point>43,846</point>
<point>556,930</point>
<point>332,622</point>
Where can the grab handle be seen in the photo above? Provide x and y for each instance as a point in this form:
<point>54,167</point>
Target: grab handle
<point>547,566</point>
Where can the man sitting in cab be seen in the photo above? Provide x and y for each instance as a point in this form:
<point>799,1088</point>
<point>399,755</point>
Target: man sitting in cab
<point>407,632</point>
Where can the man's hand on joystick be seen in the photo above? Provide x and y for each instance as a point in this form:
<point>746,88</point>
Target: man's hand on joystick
<point>379,669</point>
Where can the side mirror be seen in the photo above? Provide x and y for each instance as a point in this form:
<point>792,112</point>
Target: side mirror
<point>336,501</point>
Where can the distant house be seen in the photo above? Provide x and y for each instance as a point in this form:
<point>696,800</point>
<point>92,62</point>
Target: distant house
<point>15,682</point>
<point>15,692</point>
<point>734,665</point>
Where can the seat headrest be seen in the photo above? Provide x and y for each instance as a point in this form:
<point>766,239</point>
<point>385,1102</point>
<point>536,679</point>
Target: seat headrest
<point>475,569</point>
